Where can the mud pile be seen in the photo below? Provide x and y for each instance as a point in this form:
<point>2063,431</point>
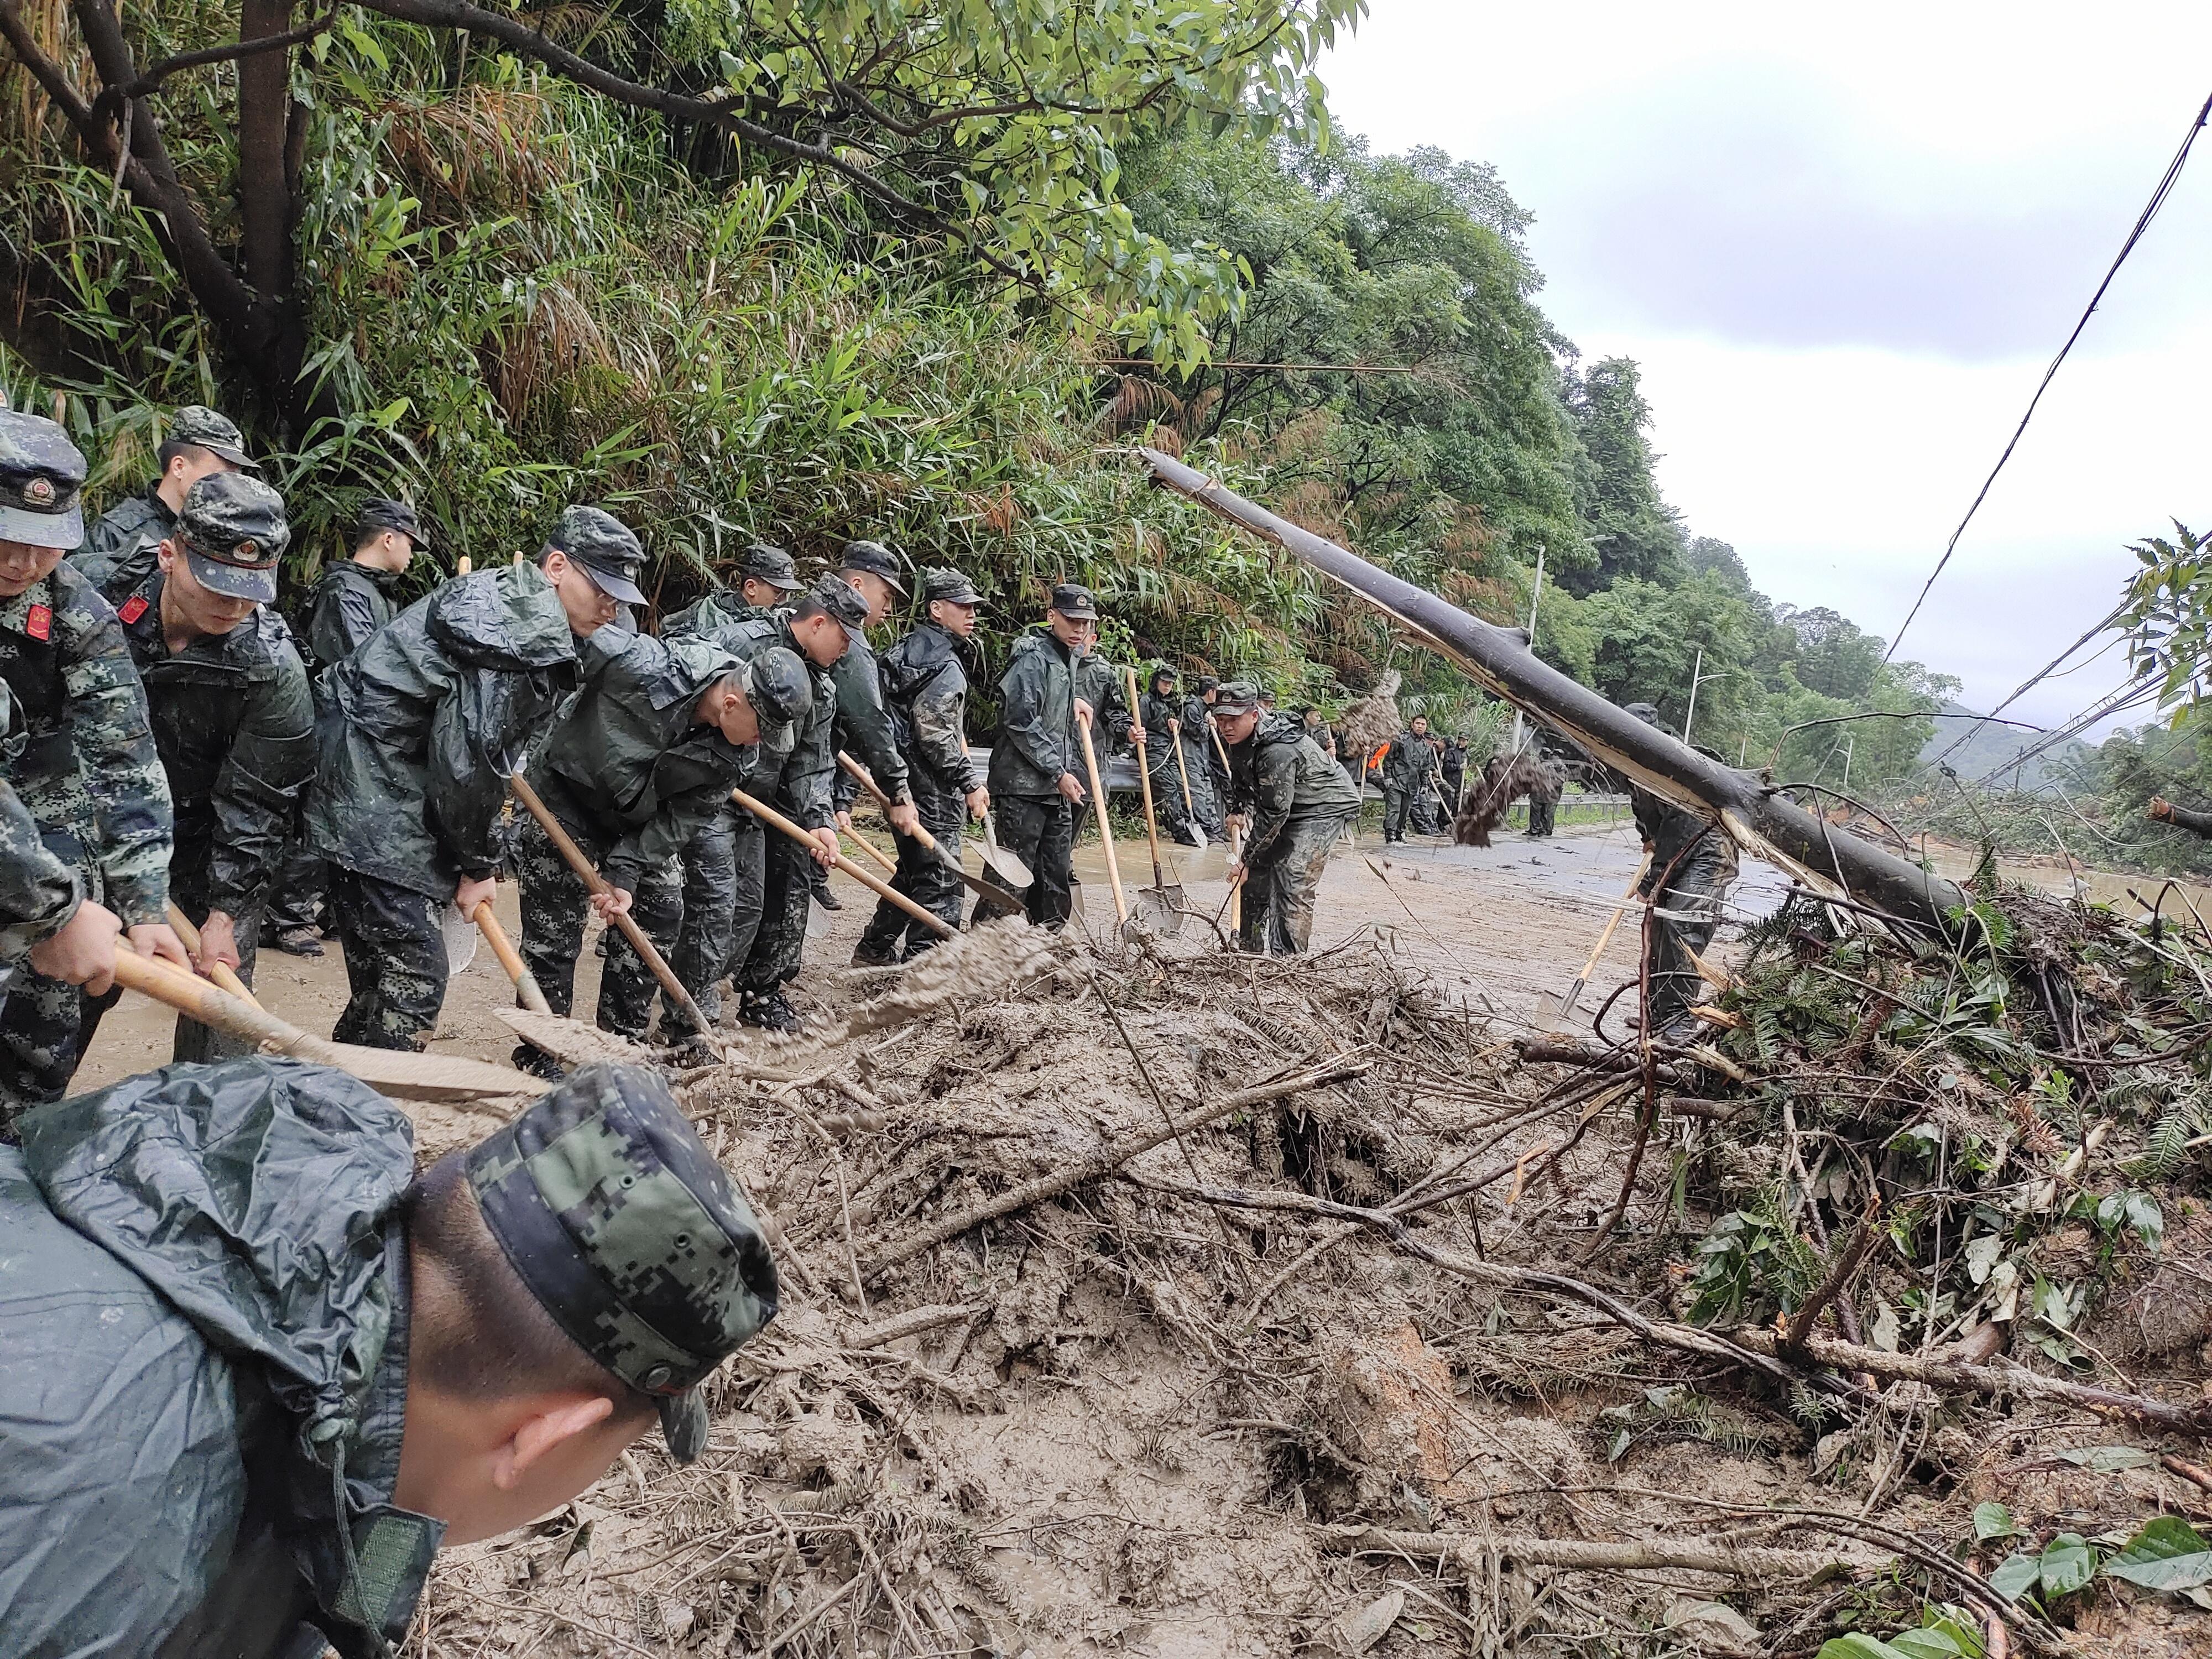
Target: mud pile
<point>1142,1299</point>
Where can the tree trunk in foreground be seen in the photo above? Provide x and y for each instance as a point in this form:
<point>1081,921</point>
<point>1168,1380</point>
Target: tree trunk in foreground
<point>1500,661</point>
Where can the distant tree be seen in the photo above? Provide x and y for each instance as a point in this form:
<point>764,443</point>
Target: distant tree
<point>1616,491</point>
<point>1834,656</point>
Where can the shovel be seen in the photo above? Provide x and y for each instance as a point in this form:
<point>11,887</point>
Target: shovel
<point>625,924</point>
<point>221,973</point>
<point>445,1078</point>
<point>526,982</point>
<point>1575,991</point>
<point>1189,806</point>
<point>990,892</point>
<point>1008,871</point>
<point>1159,906</point>
<point>1105,825</point>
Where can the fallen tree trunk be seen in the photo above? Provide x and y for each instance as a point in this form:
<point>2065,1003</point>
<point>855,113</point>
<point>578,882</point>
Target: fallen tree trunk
<point>1501,661</point>
<point>1471,1553</point>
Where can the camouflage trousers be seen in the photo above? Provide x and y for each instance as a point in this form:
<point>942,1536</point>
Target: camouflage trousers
<point>554,905</point>
<point>395,958</point>
<point>47,1028</point>
<point>1040,831</point>
<point>779,946</point>
<point>1683,920</point>
<point>1282,883</point>
<point>301,879</point>
<point>1396,804</point>
<point>1543,816</point>
<point>724,869</point>
<point>922,876</point>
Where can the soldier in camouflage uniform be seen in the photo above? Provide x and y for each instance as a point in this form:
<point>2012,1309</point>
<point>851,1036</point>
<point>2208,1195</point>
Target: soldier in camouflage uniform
<point>651,747</point>
<point>818,629</point>
<point>120,553</point>
<point>275,1303</point>
<point>350,601</point>
<point>1696,859</point>
<point>83,762</point>
<point>233,718</point>
<point>45,918</point>
<point>863,730</point>
<point>1036,766</point>
<point>418,731</point>
<point>1405,777</point>
<point>925,692</point>
<point>1299,805</point>
<point>1159,713</point>
<point>726,863</point>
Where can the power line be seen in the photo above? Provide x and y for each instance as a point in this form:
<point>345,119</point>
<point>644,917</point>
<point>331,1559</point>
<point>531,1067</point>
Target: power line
<point>2143,223</point>
<point>2029,684</point>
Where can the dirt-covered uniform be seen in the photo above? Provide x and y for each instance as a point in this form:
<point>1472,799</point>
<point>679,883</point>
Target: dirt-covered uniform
<point>1703,860</point>
<point>632,775</point>
<point>419,730</point>
<point>1544,795</point>
<point>926,693</point>
<point>120,552</point>
<point>1200,765</point>
<point>1037,743</point>
<point>85,766</point>
<point>1300,803</point>
<point>39,894</point>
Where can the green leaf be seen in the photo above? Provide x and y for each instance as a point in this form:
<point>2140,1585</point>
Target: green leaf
<point>1933,1642</point>
<point>1992,1519</point>
<point>2068,1564</point>
<point>2014,1576</point>
<point>1857,1645</point>
<point>2168,1554</point>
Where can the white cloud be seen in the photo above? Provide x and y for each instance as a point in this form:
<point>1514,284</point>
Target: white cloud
<point>1844,247</point>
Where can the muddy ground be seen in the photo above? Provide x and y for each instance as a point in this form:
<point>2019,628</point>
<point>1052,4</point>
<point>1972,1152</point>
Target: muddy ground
<point>1125,1417</point>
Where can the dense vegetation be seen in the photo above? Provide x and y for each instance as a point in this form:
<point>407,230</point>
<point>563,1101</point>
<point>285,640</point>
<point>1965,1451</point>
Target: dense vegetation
<point>853,276</point>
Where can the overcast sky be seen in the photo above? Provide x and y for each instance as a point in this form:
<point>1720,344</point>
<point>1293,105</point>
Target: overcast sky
<point>1844,244</point>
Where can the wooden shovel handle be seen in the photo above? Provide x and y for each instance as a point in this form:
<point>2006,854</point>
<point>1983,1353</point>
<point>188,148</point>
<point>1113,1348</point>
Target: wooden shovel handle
<point>1183,769</point>
<point>880,887</point>
<point>625,924</point>
<point>866,779</point>
<point>1105,829</point>
<point>1619,911</point>
<point>870,848</point>
<point>220,972</point>
<point>212,1006</point>
<point>510,959</point>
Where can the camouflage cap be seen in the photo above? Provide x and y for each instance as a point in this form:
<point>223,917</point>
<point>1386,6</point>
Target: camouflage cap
<point>763,563</point>
<point>606,549</point>
<point>1207,682</point>
<point>401,516</point>
<point>951,585</point>
<point>234,532</point>
<point>632,1237</point>
<point>1236,697</point>
<point>781,692</point>
<point>42,479</point>
<point>835,595</point>
<point>1073,601</point>
<point>217,433</point>
<point>874,559</point>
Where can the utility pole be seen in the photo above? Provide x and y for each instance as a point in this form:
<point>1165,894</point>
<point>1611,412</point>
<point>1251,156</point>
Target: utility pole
<point>1692,714</point>
<point>1847,762</point>
<point>1532,598</point>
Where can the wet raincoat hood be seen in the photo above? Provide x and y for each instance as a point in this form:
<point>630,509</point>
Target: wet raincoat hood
<point>257,1200</point>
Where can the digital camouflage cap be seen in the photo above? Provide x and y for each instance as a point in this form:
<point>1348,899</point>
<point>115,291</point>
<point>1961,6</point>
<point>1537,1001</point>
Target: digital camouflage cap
<point>951,585</point>
<point>630,1236</point>
<point>606,548</point>
<point>1073,601</point>
<point>234,534</point>
<point>41,483</point>
<point>382,514</point>
<point>835,596</point>
<point>213,431</point>
<point>781,694</point>
<point>874,559</point>
<point>772,565</point>
<point>1236,697</point>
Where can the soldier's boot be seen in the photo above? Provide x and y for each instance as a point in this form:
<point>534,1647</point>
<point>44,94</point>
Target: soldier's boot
<point>536,1063</point>
<point>769,1011</point>
<point>874,953</point>
<point>823,896</point>
<point>300,941</point>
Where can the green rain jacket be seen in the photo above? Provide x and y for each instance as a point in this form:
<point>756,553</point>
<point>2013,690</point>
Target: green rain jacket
<point>421,728</point>
<point>235,724</point>
<point>1036,719</point>
<point>629,763</point>
<point>350,602</point>
<point>798,781</point>
<point>203,1332</point>
<point>121,550</point>
<point>1281,777</point>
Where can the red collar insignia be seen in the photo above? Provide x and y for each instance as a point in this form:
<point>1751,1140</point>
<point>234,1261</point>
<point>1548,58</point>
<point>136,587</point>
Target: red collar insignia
<point>39,623</point>
<point>133,608</point>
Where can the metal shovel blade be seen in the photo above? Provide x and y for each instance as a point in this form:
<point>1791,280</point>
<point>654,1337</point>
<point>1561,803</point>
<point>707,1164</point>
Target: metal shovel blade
<point>1160,909</point>
<point>1009,871</point>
